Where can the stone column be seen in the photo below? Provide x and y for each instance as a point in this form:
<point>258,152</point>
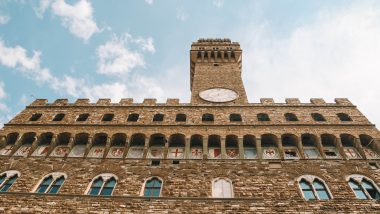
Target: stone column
<point>17,144</point>
<point>339,147</point>
<point>259,150</point>
<point>187,149</point>
<point>126,146</point>
<point>3,141</point>
<point>34,144</point>
<point>146,147</point>
<point>205,148</point>
<point>88,146</point>
<point>241,148</point>
<point>223,148</point>
<point>166,148</point>
<point>300,147</point>
<point>70,145</point>
<point>280,147</point>
<point>359,147</point>
<point>107,147</point>
<point>52,145</point>
<point>320,146</point>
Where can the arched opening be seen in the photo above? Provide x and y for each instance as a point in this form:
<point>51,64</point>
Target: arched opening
<point>349,147</point>
<point>263,117</point>
<point>318,117</point>
<point>232,146</point>
<point>180,118</point>
<point>269,146</point>
<point>196,147</point>
<point>152,187</point>
<point>133,117</point>
<point>136,146</point>
<point>62,148</point>
<point>9,144</point>
<point>344,117</point>
<point>222,188</point>
<point>156,146</point>
<point>310,146</point>
<point>329,146</point>
<point>103,184</point>
<point>98,145</point>
<point>43,147</point>
<point>118,142</point>
<point>369,146</point>
<point>290,117</point>
<point>249,145</point>
<point>176,146</point>
<point>26,144</point>
<point>214,149</point>
<point>235,118</point>
<point>80,142</point>
<point>290,145</point>
<point>207,118</point>
<point>313,188</point>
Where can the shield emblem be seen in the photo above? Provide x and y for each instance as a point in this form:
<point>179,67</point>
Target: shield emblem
<point>23,151</point>
<point>78,151</point>
<point>370,154</point>
<point>116,152</point>
<point>176,152</point>
<point>6,150</point>
<point>270,153</point>
<point>96,152</point>
<point>41,151</point>
<point>351,153</point>
<point>214,153</point>
<point>312,153</point>
<point>156,152</point>
<point>196,153</point>
<point>60,151</point>
<point>135,152</point>
<point>232,152</point>
<point>250,153</point>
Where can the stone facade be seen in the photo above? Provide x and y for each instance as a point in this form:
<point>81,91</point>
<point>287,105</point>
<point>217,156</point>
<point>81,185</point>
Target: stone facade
<point>331,141</point>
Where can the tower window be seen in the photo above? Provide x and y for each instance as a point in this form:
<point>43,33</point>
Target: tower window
<point>102,185</point>
<point>318,117</point>
<point>235,118</point>
<point>7,179</point>
<point>222,188</point>
<point>180,118</point>
<point>263,117</point>
<point>152,187</point>
<point>133,117</point>
<point>107,117</point>
<point>51,183</point>
<point>59,117</point>
<point>35,117</point>
<point>158,117</point>
<point>290,117</point>
<point>207,118</point>
<point>363,187</point>
<point>83,117</point>
<point>344,117</point>
<point>313,188</point>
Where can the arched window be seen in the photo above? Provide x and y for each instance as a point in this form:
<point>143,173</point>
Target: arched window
<point>249,145</point>
<point>207,118</point>
<point>108,117</point>
<point>118,142</point>
<point>369,146</point>
<point>363,187</point>
<point>156,146</point>
<point>269,146</point>
<point>232,148</point>
<point>176,146</point>
<point>136,146</point>
<point>10,143</point>
<point>214,147</point>
<point>235,118</point>
<point>222,188</point>
<point>290,117</point>
<point>158,117</point>
<point>44,141</point>
<point>152,187</point>
<point>180,118</point>
<point>133,117</point>
<point>344,117</point>
<point>59,117</point>
<point>263,117</point>
<point>51,183</point>
<point>98,146</point>
<point>290,145</point>
<point>313,188</point>
<point>329,146</point>
<point>35,117</point>
<point>7,179</point>
<point>310,146</point>
<point>349,147</point>
<point>318,117</point>
<point>103,184</point>
<point>83,117</point>
<point>196,147</point>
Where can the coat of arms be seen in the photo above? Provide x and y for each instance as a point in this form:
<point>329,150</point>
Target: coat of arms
<point>116,152</point>
<point>60,151</point>
<point>41,151</point>
<point>23,151</point>
<point>78,151</point>
<point>270,153</point>
<point>135,152</point>
<point>214,153</point>
<point>6,150</point>
<point>370,154</point>
<point>96,152</point>
<point>351,153</point>
<point>156,152</point>
<point>196,153</point>
<point>232,152</point>
<point>175,152</point>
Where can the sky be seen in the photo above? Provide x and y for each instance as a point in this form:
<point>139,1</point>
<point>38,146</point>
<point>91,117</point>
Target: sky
<point>140,49</point>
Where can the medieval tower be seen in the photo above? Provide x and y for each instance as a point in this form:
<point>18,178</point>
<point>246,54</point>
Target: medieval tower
<point>217,154</point>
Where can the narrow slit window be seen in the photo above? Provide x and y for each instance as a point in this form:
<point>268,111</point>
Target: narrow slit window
<point>35,117</point>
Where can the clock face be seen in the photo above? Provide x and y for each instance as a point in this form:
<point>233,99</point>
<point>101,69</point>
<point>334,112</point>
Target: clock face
<point>218,95</point>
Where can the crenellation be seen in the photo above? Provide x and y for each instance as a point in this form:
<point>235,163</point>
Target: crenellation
<point>39,102</point>
<point>267,101</point>
<point>79,102</point>
<point>317,101</point>
<point>172,102</point>
<point>343,101</point>
<point>292,101</point>
<point>105,102</point>
<point>149,102</point>
<point>60,102</point>
<point>126,101</point>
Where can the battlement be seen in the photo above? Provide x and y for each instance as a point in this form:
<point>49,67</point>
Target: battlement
<point>176,102</point>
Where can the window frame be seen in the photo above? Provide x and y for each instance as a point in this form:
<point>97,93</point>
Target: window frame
<point>8,175</point>
<point>59,117</point>
<point>81,115</point>
<point>343,117</point>
<point>235,117</point>
<point>263,117</point>
<point>359,179</point>
<point>180,117</point>
<point>131,117</point>
<point>159,117</point>
<point>33,119</point>
<point>105,177</point>
<point>105,117</point>
<point>318,117</point>
<point>144,185</point>
<point>55,176</point>
<point>213,194</point>
<point>208,117</point>
<point>310,179</point>
<point>291,117</point>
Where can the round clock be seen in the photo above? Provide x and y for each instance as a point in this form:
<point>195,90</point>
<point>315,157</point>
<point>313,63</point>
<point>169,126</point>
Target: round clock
<point>218,95</point>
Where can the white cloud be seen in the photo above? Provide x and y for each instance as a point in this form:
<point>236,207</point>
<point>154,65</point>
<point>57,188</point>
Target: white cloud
<point>4,109</point>
<point>337,55</point>
<point>2,91</point>
<point>149,1</point>
<point>77,18</point>
<point>218,3</point>
<point>117,58</point>
<point>4,19</point>
<point>181,14</point>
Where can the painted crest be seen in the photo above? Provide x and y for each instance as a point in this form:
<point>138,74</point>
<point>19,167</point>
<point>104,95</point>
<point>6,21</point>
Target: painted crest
<point>370,154</point>
<point>291,153</point>
<point>135,152</point>
<point>23,151</point>
<point>250,153</point>
<point>115,152</point>
<point>232,152</point>
<point>270,153</point>
<point>78,151</point>
<point>351,153</point>
<point>96,152</point>
<point>331,152</point>
<point>214,153</point>
<point>196,153</point>
<point>60,151</point>
<point>156,152</point>
<point>6,150</point>
<point>311,153</point>
<point>41,151</point>
<point>176,152</point>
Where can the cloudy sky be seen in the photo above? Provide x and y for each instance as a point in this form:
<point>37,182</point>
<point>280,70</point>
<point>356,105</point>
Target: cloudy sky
<point>140,49</point>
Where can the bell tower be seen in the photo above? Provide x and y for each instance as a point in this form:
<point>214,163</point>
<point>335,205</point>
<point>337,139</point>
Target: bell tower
<point>215,72</point>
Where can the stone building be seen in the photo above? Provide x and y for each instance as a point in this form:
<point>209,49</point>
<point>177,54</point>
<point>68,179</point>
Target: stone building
<point>217,154</point>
